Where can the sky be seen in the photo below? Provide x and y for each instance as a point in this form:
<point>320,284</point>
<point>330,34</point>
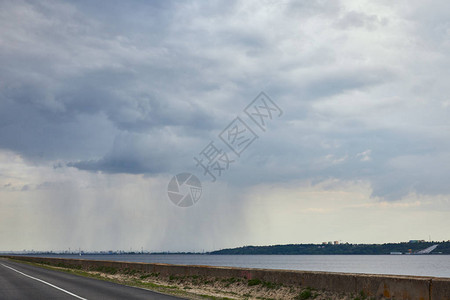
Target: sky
<point>101,104</point>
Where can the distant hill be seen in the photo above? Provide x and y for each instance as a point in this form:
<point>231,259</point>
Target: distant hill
<point>371,249</point>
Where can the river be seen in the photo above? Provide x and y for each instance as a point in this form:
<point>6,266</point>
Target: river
<point>418,265</point>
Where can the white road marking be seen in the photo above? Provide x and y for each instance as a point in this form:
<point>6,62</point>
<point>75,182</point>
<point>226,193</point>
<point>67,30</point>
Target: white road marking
<point>45,282</point>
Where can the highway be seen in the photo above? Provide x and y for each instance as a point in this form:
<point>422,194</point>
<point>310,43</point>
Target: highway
<point>22,281</point>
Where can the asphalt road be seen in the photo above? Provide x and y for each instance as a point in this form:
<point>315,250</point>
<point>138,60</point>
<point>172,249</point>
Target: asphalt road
<point>21,281</point>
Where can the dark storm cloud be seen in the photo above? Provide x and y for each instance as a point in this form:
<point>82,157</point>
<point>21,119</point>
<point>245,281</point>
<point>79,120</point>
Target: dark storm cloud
<point>135,153</point>
<point>68,90</point>
<point>140,87</point>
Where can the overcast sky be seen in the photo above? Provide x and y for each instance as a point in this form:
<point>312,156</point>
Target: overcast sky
<point>102,103</point>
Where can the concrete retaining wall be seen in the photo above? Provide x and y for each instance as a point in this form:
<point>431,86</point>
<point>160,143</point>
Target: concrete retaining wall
<point>377,286</point>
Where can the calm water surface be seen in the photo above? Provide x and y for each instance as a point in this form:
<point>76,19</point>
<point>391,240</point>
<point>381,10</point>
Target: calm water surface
<point>419,265</point>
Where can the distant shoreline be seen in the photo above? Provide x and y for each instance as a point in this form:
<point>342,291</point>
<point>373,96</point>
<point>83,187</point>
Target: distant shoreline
<point>405,248</point>
<point>196,253</point>
<point>343,249</point>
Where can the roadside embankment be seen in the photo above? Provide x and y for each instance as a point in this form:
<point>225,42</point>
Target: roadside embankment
<point>280,284</point>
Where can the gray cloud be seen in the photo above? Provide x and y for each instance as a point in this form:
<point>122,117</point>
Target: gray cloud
<point>140,88</point>
<point>133,154</point>
<point>358,19</point>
